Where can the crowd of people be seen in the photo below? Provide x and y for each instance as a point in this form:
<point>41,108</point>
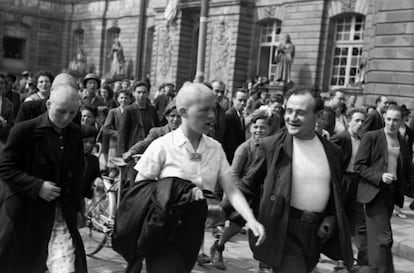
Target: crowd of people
<point>260,155</point>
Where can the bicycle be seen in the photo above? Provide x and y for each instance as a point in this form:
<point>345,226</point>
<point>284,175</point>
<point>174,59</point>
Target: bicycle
<point>100,209</point>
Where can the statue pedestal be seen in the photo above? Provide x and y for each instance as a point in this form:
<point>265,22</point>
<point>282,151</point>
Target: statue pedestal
<point>279,87</point>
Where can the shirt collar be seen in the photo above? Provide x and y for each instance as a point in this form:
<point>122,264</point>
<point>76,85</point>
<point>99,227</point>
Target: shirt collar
<point>46,123</point>
<point>180,139</point>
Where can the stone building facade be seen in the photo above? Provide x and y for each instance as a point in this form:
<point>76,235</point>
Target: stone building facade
<point>364,46</point>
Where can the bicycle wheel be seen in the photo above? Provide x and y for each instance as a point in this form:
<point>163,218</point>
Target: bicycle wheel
<point>99,214</point>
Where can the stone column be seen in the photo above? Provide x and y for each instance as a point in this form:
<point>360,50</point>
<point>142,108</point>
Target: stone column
<point>202,42</point>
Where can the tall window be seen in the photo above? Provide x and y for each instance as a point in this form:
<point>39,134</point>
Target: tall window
<point>349,39</point>
<point>78,38</point>
<point>269,40</point>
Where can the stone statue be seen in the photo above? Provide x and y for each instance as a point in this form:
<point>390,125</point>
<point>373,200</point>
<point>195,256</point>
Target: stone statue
<point>78,65</point>
<point>118,59</point>
<point>285,53</point>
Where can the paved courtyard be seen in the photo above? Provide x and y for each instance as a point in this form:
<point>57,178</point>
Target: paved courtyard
<point>238,257</point>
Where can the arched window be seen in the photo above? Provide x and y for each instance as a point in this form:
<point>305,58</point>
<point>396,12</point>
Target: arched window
<point>347,50</point>
<point>269,40</point>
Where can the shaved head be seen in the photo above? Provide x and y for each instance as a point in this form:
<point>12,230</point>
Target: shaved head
<point>192,93</point>
<point>196,104</point>
<point>63,105</point>
<point>64,79</point>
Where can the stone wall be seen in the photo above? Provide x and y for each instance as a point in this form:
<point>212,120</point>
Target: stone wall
<point>43,25</point>
<point>232,41</point>
<point>390,68</point>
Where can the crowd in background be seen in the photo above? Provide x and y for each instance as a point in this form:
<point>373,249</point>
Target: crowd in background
<point>125,116</point>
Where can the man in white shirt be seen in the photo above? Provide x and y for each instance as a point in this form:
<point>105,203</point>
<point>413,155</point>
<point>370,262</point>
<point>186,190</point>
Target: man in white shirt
<point>301,199</point>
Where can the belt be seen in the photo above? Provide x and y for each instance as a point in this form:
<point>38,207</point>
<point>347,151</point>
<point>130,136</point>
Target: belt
<point>306,216</point>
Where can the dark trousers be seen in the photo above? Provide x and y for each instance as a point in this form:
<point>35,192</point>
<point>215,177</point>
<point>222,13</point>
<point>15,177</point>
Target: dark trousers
<point>356,216</point>
<point>302,247</point>
<point>378,214</point>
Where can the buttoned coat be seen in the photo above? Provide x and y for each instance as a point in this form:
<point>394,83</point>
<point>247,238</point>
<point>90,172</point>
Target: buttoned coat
<point>234,134</point>
<point>371,163</point>
<point>273,169</point>
<point>131,126</point>
<point>28,159</point>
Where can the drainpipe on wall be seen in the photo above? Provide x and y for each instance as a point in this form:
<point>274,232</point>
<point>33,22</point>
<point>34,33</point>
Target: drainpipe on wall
<point>140,40</point>
<point>202,42</point>
<point>103,41</point>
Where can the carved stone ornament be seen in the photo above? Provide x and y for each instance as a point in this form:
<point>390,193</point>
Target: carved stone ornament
<point>270,11</point>
<point>348,5</point>
<point>221,49</point>
<point>165,50</point>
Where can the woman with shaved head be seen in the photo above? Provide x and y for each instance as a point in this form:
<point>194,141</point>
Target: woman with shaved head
<point>41,171</point>
<point>189,154</point>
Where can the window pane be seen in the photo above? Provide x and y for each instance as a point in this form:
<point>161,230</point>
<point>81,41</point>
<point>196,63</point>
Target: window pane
<point>264,60</point>
<point>13,48</point>
<point>353,71</point>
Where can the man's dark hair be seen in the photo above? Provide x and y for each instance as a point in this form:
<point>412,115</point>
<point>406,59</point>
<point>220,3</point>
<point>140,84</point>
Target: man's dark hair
<point>395,107</point>
<point>126,93</point>
<point>140,83</point>
<point>378,99</point>
<point>352,111</point>
<point>300,90</point>
<point>241,90</point>
<point>92,109</point>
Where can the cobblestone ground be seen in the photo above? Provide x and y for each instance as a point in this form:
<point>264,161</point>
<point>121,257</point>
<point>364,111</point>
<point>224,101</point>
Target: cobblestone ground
<point>237,255</point>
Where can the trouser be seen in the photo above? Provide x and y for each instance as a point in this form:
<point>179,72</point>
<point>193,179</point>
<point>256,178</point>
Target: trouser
<point>302,247</point>
<point>356,216</point>
<point>378,214</point>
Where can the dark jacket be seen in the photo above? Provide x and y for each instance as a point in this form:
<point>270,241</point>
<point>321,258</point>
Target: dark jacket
<point>153,134</point>
<point>28,160</point>
<point>7,114</point>
<point>111,126</point>
<point>159,206</point>
<point>14,98</point>
<point>90,173</point>
<point>373,122</point>
<point>31,109</point>
<point>160,104</point>
<point>234,134</point>
<point>273,169</point>
<point>343,140</point>
<point>371,163</point>
<point>218,130</point>
<point>409,137</point>
<point>131,126</point>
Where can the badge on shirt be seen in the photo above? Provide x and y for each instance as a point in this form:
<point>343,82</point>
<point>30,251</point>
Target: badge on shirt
<point>195,157</point>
